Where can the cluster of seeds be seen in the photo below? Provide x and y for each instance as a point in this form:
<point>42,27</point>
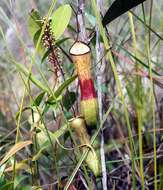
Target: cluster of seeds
<point>49,44</point>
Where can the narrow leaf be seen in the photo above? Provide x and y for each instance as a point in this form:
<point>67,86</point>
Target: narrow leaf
<point>118,8</point>
<point>59,42</point>
<point>64,85</point>
<point>61,88</point>
<point>14,150</point>
<point>69,99</point>
<point>46,54</point>
<point>38,99</point>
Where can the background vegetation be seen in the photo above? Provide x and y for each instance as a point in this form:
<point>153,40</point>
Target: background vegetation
<point>127,68</point>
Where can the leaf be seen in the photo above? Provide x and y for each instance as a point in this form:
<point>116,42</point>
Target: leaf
<point>34,28</point>
<point>7,186</point>
<point>14,150</point>
<point>59,42</point>
<point>26,187</point>
<point>118,8</point>
<point>23,165</point>
<point>46,54</point>
<point>68,115</point>
<point>38,99</point>
<point>60,20</point>
<point>65,85</point>
<point>18,180</point>
<point>2,169</point>
<point>61,88</point>
<point>68,100</point>
<point>23,110</point>
<point>34,23</point>
<point>2,181</point>
<point>36,37</point>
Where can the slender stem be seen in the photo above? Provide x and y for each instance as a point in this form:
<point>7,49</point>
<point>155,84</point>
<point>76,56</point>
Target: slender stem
<point>152,98</point>
<point>138,102</point>
<point>18,132</point>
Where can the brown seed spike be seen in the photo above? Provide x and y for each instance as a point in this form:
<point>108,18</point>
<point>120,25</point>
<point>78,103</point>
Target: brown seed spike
<point>49,43</point>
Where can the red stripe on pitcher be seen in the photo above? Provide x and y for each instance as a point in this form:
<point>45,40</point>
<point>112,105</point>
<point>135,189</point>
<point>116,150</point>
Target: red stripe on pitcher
<point>87,89</point>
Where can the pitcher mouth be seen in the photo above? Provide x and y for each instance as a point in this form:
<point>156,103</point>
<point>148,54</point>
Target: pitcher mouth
<point>77,117</point>
<point>79,48</point>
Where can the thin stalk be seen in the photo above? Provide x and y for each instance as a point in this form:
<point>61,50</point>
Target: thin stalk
<point>18,131</point>
<point>153,117</point>
<point>152,98</point>
<point>34,150</point>
<point>138,105</point>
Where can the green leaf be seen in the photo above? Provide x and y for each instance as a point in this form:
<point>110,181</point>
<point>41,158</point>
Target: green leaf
<point>64,85</point>
<point>34,23</point>
<point>68,100</point>
<point>46,54</point>
<point>68,115</point>
<point>23,110</point>
<point>18,180</point>
<point>2,181</point>
<point>60,20</point>
<point>28,187</point>
<point>7,186</point>
<point>2,169</point>
<point>36,37</point>
<point>59,42</point>
<point>61,88</point>
<point>38,99</point>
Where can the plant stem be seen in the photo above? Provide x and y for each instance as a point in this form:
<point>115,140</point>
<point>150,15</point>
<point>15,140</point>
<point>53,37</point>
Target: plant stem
<point>138,105</point>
